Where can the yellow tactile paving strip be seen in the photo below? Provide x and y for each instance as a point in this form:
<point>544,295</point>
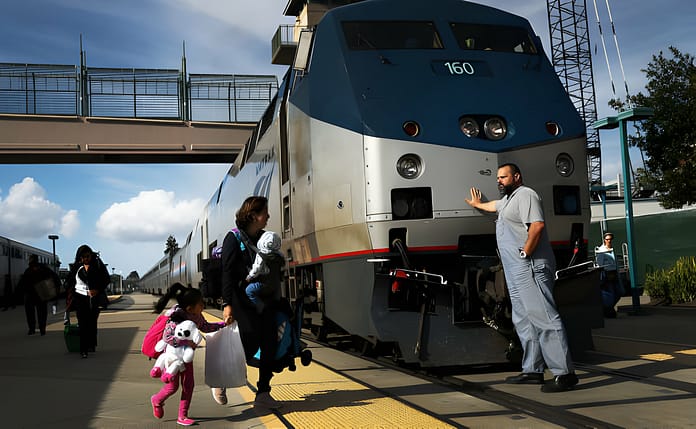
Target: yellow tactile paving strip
<point>314,397</point>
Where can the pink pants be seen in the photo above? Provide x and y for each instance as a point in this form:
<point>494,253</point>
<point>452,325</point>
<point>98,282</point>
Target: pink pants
<point>187,384</point>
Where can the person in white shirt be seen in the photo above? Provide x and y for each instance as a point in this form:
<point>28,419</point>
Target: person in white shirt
<point>86,285</point>
<point>610,284</point>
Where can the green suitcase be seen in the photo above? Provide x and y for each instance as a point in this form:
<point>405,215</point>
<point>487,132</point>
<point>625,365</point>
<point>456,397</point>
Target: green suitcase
<point>72,337</point>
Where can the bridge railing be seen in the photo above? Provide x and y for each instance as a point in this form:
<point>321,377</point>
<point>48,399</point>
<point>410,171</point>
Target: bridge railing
<point>39,89</point>
<point>133,93</point>
<point>35,89</point>
<point>230,98</point>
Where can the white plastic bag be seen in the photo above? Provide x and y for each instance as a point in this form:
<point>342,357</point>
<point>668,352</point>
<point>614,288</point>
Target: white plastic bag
<point>225,364</point>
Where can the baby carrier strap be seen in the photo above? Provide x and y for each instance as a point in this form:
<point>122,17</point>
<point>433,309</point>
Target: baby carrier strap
<point>246,246</point>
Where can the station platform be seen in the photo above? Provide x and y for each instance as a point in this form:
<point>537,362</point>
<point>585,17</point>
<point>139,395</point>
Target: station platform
<point>642,373</point>
<point>46,386</point>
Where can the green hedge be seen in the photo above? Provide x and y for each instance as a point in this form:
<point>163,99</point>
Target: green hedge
<point>676,284</point>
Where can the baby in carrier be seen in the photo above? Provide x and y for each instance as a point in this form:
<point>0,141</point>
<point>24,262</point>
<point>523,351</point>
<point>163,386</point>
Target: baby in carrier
<point>265,275</point>
<point>264,278</point>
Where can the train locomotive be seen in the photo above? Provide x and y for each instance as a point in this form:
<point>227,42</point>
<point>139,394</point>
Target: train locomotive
<point>391,111</point>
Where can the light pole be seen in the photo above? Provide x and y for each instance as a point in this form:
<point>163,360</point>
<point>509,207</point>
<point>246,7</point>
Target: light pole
<point>620,121</point>
<point>53,238</point>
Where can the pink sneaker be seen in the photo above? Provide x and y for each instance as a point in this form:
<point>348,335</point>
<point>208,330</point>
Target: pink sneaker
<point>157,409</point>
<point>185,421</point>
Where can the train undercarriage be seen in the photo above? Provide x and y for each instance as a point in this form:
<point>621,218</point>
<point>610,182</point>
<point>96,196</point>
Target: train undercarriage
<point>455,312</point>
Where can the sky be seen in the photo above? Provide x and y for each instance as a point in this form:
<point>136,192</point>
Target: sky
<point>127,211</point>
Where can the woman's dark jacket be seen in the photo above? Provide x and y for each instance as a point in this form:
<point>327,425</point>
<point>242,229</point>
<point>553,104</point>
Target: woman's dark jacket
<point>235,267</point>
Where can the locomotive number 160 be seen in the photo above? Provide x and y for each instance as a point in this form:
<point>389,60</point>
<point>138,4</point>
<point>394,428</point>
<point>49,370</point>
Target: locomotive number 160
<point>459,68</point>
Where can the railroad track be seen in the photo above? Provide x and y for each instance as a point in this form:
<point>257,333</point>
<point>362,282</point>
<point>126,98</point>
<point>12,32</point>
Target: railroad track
<point>455,379</point>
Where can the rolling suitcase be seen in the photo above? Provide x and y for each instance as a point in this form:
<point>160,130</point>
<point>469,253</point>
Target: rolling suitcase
<point>72,337</point>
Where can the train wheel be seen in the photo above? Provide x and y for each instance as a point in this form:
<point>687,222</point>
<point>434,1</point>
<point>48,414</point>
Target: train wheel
<point>365,347</point>
<point>396,354</point>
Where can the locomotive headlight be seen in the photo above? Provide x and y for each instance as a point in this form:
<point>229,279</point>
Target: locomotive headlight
<point>469,126</point>
<point>565,164</point>
<point>409,166</point>
<point>495,128</point>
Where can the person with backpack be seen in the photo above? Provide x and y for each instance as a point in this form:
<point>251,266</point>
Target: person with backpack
<point>34,306</point>
<point>189,306</point>
<point>257,330</point>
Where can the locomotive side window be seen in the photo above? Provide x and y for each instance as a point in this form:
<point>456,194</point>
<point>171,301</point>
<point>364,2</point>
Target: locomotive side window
<point>377,35</point>
<point>499,38</point>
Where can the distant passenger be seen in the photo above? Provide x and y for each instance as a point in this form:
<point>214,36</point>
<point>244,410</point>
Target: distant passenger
<point>265,275</point>
<point>34,305</point>
<point>610,284</point>
<point>86,285</point>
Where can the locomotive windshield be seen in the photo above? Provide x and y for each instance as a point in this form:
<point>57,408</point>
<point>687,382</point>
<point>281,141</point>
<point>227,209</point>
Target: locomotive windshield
<point>482,37</point>
<point>377,35</point>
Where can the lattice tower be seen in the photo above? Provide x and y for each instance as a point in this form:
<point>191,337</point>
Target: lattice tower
<point>572,59</point>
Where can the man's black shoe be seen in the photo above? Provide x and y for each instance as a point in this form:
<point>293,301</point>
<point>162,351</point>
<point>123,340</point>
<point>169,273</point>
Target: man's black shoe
<point>560,383</point>
<point>526,378</point>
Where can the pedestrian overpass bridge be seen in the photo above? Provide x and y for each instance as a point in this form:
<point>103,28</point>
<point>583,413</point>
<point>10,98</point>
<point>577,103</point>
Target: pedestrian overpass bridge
<point>67,114</point>
<point>47,139</point>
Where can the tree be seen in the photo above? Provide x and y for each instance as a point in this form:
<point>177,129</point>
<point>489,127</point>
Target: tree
<point>171,247</point>
<point>668,138</point>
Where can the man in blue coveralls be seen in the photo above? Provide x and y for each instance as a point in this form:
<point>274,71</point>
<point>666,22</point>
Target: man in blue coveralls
<point>529,265</point>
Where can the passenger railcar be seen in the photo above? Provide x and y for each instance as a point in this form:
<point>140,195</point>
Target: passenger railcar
<point>14,259</point>
<point>391,111</point>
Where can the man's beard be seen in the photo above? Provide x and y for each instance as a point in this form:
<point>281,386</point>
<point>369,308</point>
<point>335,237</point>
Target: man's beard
<point>506,189</point>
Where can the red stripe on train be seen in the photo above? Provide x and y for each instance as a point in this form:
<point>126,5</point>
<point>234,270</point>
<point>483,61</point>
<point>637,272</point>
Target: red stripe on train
<point>422,249</point>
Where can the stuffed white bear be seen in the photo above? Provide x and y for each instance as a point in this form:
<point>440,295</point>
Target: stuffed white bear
<point>173,359</point>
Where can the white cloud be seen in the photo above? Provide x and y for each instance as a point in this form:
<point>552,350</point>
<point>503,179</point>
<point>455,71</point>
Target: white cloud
<point>70,223</point>
<point>149,216</point>
<point>26,213</point>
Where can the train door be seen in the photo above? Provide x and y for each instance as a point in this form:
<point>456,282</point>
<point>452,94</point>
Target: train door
<point>284,162</point>
<point>204,253</point>
<point>297,70</point>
